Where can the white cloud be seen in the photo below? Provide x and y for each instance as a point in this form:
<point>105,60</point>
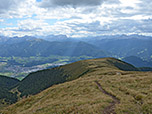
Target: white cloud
<point>1,20</point>
<point>75,18</point>
<point>17,8</point>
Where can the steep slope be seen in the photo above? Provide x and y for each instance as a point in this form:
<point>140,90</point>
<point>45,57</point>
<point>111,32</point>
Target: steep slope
<point>7,82</point>
<point>130,90</point>
<point>7,97</point>
<point>38,81</point>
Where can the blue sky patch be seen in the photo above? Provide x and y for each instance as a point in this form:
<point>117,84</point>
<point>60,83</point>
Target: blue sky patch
<point>53,21</point>
<point>38,0</point>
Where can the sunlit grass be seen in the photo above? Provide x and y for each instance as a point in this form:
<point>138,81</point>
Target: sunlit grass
<point>134,89</point>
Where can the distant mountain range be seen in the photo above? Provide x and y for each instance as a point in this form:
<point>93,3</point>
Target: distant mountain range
<point>39,47</point>
<point>118,46</point>
<point>14,40</point>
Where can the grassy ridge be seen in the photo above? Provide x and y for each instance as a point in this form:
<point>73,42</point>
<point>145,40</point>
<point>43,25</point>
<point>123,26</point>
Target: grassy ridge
<point>82,95</point>
<point>38,81</point>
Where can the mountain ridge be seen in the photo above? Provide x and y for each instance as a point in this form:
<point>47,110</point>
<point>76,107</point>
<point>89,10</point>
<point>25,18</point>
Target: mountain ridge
<point>83,93</point>
<point>39,47</point>
<point>40,80</point>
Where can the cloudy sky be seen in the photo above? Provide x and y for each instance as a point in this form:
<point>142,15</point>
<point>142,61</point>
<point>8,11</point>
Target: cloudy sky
<point>75,18</point>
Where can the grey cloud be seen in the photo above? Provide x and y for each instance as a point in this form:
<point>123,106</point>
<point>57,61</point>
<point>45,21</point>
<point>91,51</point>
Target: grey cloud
<point>73,3</point>
<point>129,8</point>
<point>131,26</point>
<point>94,27</point>
<point>145,7</point>
<point>6,5</point>
<point>112,1</point>
<point>89,10</point>
<point>121,26</point>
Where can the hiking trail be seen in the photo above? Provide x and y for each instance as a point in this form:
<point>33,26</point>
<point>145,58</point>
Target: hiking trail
<point>111,108</point>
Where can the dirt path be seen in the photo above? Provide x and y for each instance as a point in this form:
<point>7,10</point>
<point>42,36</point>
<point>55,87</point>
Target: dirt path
<point>109,109</point>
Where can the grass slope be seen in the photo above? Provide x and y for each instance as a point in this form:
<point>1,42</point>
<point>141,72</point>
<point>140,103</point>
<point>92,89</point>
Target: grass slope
<point>38,81</point>
<point>132,88</point>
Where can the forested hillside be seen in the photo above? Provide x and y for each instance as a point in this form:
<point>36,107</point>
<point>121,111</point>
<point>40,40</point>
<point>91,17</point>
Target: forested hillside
<point>6,84</point>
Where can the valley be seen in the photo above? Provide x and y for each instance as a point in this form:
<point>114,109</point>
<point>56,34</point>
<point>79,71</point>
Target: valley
<point>20,67</point>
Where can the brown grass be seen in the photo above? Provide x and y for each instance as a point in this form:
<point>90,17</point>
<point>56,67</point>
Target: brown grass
<point>134,89</point>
